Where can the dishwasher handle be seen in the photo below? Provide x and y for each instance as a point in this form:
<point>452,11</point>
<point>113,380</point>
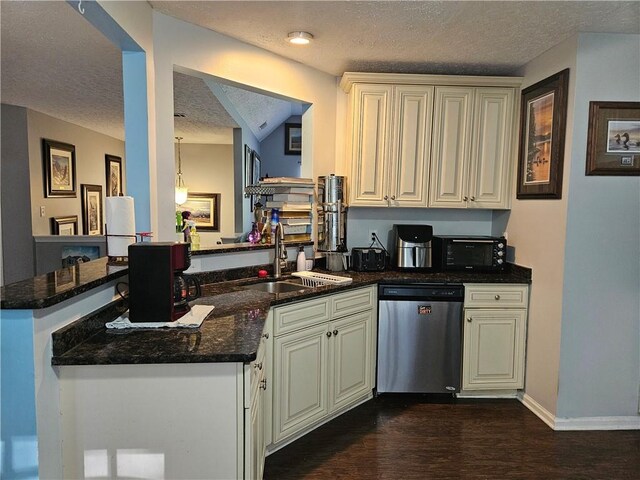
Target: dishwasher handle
<point>449,292</point>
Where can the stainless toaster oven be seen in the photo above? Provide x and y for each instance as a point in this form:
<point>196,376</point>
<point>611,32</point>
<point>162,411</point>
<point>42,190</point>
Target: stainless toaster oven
<point>470,253</point>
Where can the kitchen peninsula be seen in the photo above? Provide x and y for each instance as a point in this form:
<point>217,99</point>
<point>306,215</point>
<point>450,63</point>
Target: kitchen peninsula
<point>146,394</point>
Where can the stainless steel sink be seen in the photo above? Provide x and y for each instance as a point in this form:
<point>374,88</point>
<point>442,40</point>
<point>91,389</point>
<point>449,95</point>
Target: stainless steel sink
<point>280,286</point>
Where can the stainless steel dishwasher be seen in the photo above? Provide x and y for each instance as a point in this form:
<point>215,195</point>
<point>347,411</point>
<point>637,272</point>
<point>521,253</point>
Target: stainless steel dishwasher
<point>419,338</point>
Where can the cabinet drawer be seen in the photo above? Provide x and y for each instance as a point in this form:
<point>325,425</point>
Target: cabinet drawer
<point>352,302</point>
<point>496,295</point>
<point>299,315</point>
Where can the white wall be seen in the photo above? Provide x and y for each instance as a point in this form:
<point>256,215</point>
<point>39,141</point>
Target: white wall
<point>537,229</point>
<point>199,49</point>
<point>600,346</point>
<point>209,169</point>
<point>91,148</point>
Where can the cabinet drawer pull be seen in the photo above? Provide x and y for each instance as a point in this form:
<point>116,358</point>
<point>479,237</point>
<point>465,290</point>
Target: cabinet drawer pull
<point>469,319</point>
<point>257,366</point>
<point>328,334</point>
<point>265,335</point>
<point>335,332</point>
<point>263,384</point>
<point>473,199</point>
<point>465,198</point>
<point>497,297</point>
<point>393,197</point>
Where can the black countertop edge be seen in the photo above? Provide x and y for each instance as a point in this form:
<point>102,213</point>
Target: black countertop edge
<point>51,288</point>
<point>231,333</point>
<point>242,247</point>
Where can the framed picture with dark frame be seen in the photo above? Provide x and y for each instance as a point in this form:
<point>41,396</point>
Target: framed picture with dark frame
<point>113,171</point>
<point>255,168</point>
<point>64,225</point>
<point>543,121</point>
<point>292,138</point>
<point>205,210</point>
<point>92,216</point>
<point>248,166</point>
<point>613,139</point>
<point>59,169</point>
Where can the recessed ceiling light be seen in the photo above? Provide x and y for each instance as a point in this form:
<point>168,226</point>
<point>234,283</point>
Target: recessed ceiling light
<point>300,38</point>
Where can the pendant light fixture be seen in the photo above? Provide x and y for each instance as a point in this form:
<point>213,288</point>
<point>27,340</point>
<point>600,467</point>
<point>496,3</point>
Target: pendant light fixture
<point>181,189</point>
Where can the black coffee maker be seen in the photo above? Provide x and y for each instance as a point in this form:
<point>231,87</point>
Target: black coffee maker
<point>159,291</point>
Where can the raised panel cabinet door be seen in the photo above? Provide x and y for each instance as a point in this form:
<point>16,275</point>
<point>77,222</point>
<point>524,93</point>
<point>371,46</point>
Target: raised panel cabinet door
<point>300,380</point>
<point>491,156</point>
<point>371,120</point>
<point>451,148</point>
<point>350,359</point>
<point>411,145</point>
<point>494,348</point>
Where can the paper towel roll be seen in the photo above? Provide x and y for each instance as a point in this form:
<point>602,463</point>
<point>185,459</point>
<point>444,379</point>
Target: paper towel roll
<point>121,225</point>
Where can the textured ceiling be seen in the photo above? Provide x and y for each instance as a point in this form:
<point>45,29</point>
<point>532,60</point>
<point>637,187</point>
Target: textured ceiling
<point>55,62</point>
<point>480,38</point>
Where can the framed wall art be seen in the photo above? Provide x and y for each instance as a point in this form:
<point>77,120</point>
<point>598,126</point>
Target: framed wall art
<point>543,121</point>
<point>292,138</point>
<point>205,210</point>
<point>113,167</point>
<point>92,216</point>
<point>248,166</point>
<point>613,139</point>
<point>64,225</point>
<point>59,169</point>
<point>255,168</point>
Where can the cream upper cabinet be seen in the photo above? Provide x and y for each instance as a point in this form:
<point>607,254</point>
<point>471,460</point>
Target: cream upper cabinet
<point>430,140</point>
<point>473,129</point>
<point>390,145</point>
<point>451,147</point>
<point>371,121</point>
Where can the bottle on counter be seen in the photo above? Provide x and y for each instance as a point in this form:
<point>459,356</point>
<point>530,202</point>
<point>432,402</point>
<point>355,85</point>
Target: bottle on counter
<point>301,261</point>
<point>254,234</point>
<point>195,239</point>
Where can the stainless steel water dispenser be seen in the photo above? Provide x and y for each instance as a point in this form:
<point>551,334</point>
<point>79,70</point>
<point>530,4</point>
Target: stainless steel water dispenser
<point>332,218</point>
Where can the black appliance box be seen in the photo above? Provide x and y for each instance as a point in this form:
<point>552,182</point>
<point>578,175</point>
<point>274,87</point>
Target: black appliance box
<point>368,259</point>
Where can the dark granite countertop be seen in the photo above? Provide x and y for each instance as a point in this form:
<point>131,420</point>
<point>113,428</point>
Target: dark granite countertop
<point>50,288</point>
<point>231,332</point>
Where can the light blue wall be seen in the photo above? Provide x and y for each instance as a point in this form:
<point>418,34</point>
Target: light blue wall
<point>444,222</point>
<point>274,162</point>
<point>600,341</point>
<point>18,396</point>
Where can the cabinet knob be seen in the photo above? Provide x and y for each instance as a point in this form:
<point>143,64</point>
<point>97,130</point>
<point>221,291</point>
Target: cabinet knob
<point>469,319</point>
<point>265,335</point>
<point>473,199</point>
<point>258,366</point>
<point>386,197</point>
<point>335,332</point>
<point>328,334</point>
<point>497,297</point>
<point>263,384</point>
<point>465,198</point>
<point>393,197</point>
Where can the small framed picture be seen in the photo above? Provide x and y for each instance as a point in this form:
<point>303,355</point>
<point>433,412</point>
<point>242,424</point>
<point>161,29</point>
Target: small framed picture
<point>205,210</point>
<point>64,225</point>
<point>255,169</point>
<point>248,166</point>
<point>65,278</point>
<point>292,138</point>
<point>613,139</point>
<point>113,168</point>
<point>543,121</point>
<point>59,169</point>
<point>92,216</point>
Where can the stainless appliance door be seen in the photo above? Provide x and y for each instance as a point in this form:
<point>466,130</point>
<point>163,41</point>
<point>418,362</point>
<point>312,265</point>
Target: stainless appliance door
<point>419,346</point>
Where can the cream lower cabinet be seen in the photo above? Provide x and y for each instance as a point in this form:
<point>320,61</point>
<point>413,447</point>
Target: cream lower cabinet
<point>472,147</point>
<point>322,368</point>
<point>494,337</point>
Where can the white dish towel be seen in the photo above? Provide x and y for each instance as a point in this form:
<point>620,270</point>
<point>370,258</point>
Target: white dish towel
<point>192,319</point>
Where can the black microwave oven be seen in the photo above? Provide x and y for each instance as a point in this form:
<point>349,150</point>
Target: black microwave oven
<point>470,253</point>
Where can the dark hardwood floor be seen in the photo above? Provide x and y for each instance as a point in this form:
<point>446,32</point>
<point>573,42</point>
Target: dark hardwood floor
<point>422,437</point>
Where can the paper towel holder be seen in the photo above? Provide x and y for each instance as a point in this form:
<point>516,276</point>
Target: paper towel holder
<point>119,260</point>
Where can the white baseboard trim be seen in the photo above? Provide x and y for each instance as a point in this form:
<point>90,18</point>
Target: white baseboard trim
<point>598,423</point>
<point>580,423</point>
<point>542,413</point>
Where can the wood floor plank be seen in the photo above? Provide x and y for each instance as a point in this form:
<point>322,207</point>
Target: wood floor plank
<point>419,437</point>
